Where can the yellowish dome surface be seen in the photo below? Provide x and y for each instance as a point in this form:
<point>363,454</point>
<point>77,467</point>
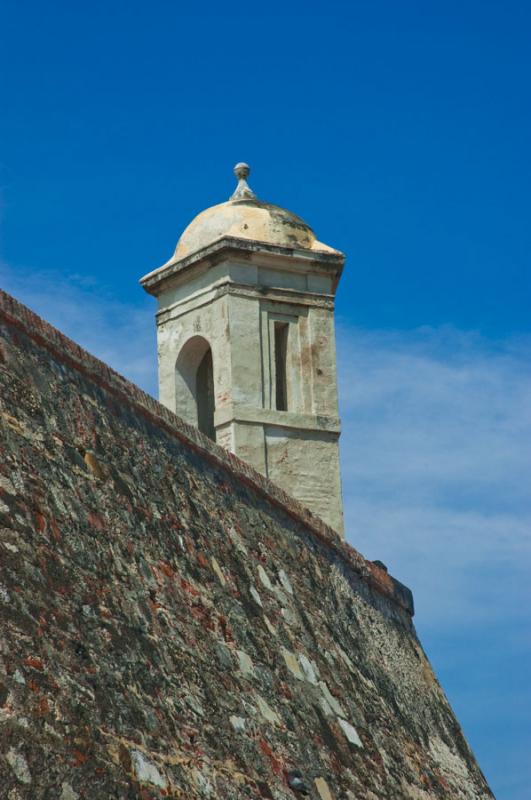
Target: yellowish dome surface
<point>247,219</point>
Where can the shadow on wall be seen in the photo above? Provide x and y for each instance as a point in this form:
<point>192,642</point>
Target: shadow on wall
<point>194,385</point>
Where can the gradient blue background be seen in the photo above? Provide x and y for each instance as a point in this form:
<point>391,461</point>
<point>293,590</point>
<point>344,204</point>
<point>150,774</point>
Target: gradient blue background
<point>400,131</point>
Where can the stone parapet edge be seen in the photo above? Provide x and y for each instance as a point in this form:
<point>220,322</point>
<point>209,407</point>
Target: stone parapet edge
<point>151,281</point>
<point>70,353</point>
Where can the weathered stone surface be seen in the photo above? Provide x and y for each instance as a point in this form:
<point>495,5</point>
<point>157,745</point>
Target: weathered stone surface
<point>246,343</point>
<point>132,582</point>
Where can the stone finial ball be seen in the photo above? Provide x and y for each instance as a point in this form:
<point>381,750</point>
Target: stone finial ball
<point>242,170</point>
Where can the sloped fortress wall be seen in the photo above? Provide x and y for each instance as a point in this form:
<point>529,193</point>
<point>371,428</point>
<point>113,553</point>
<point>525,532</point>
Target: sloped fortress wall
<point>171,625</point>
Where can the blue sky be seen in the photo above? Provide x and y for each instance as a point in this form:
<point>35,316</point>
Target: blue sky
<point>400,132</point>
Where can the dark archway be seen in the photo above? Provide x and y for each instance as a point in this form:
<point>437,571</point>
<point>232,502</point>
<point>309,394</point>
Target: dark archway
<point>204,386</point>
<point>194,385</point>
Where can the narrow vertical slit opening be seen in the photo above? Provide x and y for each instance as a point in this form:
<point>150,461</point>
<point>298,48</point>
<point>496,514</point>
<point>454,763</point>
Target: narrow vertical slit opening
<point>281,355</point>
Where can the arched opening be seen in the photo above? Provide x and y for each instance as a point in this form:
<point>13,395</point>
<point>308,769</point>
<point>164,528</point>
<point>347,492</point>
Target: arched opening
<point>205,395</point>
<point>194,385</point>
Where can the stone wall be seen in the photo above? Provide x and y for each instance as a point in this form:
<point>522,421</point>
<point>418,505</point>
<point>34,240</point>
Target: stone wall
<point>174,625</point>
<point>231,296</point>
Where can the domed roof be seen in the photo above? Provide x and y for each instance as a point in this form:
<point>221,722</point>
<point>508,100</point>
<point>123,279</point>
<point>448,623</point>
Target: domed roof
<point>246,217</point>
